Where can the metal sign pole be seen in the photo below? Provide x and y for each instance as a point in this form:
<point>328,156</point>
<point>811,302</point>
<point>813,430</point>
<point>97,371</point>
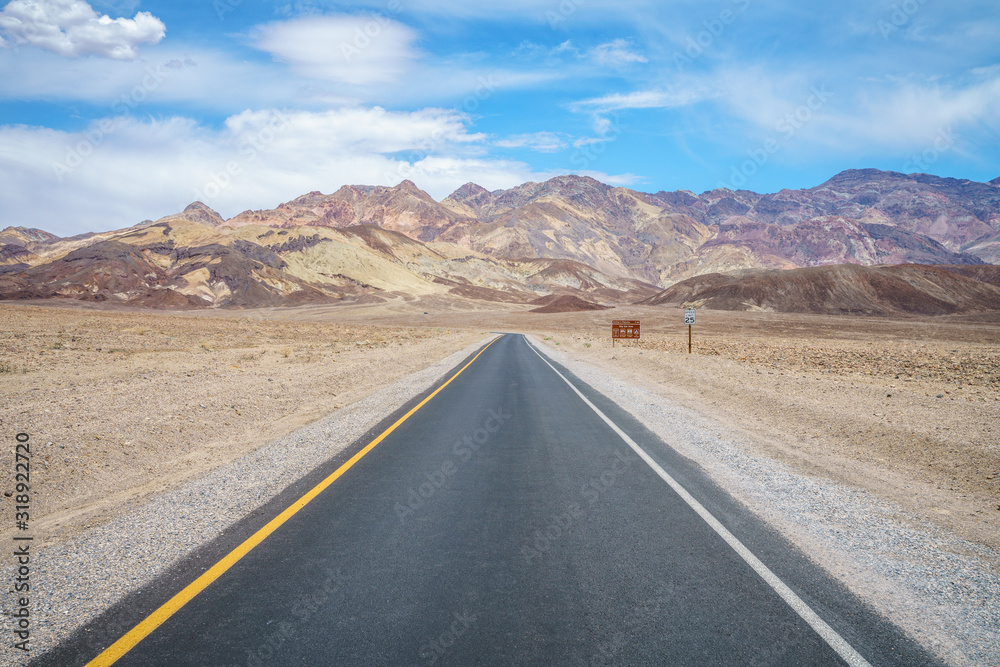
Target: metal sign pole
<point>689,319</point>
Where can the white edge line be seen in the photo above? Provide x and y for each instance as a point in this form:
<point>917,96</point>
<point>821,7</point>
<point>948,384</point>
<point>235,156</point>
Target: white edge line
<point>836,642</point>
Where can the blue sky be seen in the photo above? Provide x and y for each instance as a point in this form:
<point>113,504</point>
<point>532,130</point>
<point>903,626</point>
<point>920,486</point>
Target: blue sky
<point>116,111</point>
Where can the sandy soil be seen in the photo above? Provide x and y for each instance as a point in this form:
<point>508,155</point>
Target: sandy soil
<point>121,404</point>
<point>906,408</point>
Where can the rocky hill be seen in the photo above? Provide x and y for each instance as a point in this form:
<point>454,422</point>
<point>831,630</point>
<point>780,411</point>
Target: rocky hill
<point>569,235</point>
<point>404,208</point>
<point>565,303</point>
<point>860,216</point>
<point>188,261</point>
<point>847,289</point>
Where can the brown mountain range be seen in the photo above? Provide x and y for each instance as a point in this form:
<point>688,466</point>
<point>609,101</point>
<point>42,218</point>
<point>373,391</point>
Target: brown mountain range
<point>859,216</point>
<point>846,289</point>
<point>185,261</point>
<point>569,235</point>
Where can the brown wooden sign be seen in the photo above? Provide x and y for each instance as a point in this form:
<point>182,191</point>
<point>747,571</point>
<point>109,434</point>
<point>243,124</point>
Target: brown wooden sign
<point>624,329</point>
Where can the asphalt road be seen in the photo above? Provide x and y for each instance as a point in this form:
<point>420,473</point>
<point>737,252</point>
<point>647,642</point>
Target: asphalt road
<point>504,522</point>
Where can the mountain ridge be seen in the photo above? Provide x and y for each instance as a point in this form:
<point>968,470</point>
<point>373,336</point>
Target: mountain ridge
<point>567,235</point>
<point>662,237</point>
<point>848,289</point>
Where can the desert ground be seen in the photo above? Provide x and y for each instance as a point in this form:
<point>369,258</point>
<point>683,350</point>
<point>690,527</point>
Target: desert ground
<point>121,404</point>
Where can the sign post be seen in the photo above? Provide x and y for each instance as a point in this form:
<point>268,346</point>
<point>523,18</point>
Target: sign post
<point>689,320</point>
<point>624,329</point>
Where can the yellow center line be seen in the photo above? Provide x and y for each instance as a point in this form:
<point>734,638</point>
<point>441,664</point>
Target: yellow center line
<point>111,654</point>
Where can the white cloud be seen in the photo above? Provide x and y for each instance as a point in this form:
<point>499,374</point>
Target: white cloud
<point>912,112</point>
<point>542,142</point>
<point>120,171</point>
<point>885,113</point>
<point>72,28</point>
<point>643,99</point>
<point>346,49</point>
<point>529,49</point>
<point>213,79</point>
<point>990,70</point>
<point>565,47</point>
<point>205,78</point>
<point>616,53</point>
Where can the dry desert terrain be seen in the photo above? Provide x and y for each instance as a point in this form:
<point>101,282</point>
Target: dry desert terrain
<point>121,404</point>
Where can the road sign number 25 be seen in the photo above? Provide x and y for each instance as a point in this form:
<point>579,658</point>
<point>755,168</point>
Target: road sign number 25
<point>689,317</point>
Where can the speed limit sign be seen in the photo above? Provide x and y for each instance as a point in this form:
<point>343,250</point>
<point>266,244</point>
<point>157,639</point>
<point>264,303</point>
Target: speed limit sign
<point>689,317</point>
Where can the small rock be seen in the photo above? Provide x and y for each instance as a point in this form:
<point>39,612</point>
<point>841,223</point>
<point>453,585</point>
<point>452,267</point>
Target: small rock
<point>940,395</point>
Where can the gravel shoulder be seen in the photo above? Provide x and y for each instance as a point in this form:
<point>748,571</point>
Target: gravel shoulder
<point>941,589</point>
